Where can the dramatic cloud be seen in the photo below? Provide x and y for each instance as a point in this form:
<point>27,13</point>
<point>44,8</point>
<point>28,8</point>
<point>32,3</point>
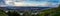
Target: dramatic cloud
<point>38,3</point>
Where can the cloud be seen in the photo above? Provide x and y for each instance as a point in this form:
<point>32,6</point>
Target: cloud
<point>40,3</point>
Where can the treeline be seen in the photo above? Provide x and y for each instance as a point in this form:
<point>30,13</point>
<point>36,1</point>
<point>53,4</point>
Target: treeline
<point>48,12</point>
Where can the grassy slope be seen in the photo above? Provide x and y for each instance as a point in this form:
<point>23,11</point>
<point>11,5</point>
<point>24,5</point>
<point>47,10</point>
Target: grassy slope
<point>2,13</point>
<point>48,12</point>
<point>51,12</point>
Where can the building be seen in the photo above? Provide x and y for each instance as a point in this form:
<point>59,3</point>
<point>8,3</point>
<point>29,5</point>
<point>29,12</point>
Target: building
<point>32,5</point>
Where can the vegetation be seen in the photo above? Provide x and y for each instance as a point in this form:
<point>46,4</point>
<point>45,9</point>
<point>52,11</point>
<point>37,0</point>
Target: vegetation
<point>51,12</point>
<point>48,12</point>
<point>2,13</point>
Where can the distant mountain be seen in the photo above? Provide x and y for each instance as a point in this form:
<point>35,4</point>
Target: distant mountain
<point>24,8</point>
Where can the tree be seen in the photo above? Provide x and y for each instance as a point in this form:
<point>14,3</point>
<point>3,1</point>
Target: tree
<point>51,12</point>
<point>59,6</point>
<point>13,13</point>
<point>2,13</point>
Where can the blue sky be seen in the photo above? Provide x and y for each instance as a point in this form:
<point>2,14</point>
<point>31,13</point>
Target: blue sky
<point>54,1</point>
<point>39,1</point>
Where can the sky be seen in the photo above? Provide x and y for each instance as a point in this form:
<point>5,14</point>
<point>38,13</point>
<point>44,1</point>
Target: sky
<point>38,3</point>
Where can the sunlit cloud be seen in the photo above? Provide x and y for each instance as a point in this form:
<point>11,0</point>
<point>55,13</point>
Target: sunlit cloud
<point>43,3</point>
<point>31,4</point>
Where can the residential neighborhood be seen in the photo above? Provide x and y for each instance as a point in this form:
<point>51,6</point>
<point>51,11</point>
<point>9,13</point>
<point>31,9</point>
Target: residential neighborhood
<point>29,7</point>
